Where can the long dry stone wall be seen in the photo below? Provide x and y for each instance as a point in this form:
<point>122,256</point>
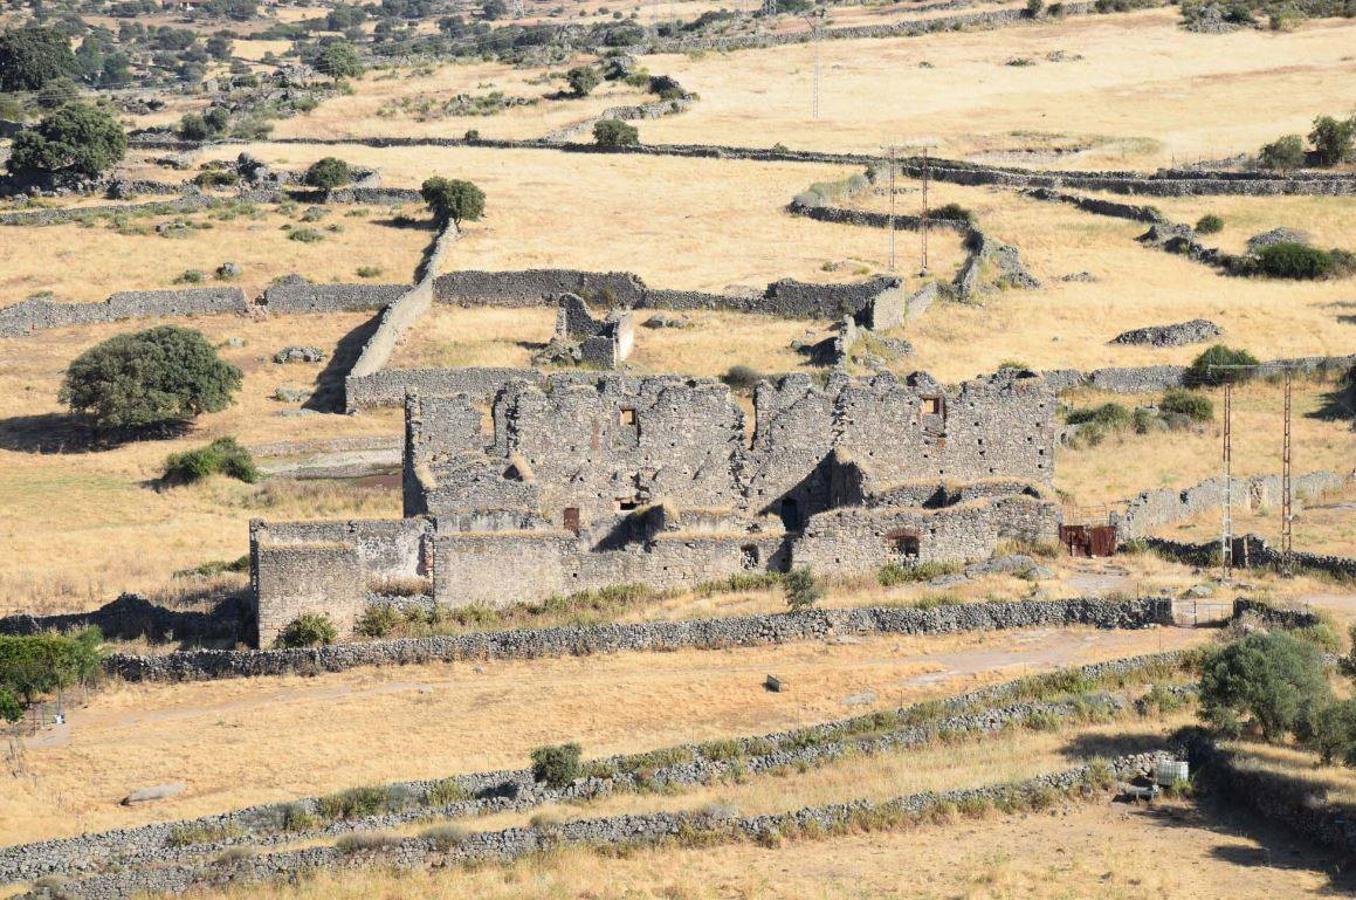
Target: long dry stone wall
<point>583,640</point>
<point>1256,552</point>
<point>288,298</point>
<point>1153,379</point>
<point>984,712</point>
<point>627,830</point>
<point>39,315</point>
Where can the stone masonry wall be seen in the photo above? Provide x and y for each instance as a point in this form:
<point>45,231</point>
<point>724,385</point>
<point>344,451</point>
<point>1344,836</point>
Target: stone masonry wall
<point>38,315</point>
<point>289,299</point>
<point>1152,509</point>
<point>582,640</point>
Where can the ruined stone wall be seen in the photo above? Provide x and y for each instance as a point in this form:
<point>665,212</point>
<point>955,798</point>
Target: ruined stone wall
<point>1152,379</point>
<point>896,431</point>
<point>1152,509</point>
<point>288,299</point>
<point>859,540</point>
<point>531,286</point>
<point>329,567</point>
<point>389,386</point>
<point>39,315</point>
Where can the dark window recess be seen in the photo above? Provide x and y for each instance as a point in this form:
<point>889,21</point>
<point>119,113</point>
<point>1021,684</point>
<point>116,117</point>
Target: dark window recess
<point>749,554</point>
<point>627,505</point>
<point>904,544</point>
<point>790,513</point>
<point>931,406</point>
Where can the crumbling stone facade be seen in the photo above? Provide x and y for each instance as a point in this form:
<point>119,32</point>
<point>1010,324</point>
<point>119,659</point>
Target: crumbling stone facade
<point>583,481</point>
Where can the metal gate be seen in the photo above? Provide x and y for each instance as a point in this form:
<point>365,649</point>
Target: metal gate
<point>1088,540</point>
<point>1192,613</point>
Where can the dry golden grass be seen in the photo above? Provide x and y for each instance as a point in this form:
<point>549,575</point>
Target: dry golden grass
<point>1086,850</point>
<point>1151,91</point>
<point>450,336</point>
<point>1123,465</point>
<point>79,263</point>
<point>1337,784</point>
<point>1326,524</point>
<point>701,224</point>
<point>273,739</point>
<point>80,527</point>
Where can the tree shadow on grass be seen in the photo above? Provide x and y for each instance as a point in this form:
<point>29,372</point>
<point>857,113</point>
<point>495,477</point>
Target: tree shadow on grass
<point>68,433</point>
<point>1081,747</point>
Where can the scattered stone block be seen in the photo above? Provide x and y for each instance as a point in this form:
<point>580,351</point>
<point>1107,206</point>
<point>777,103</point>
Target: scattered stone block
<point>1193,332</point>
<point>299,354</point>
<point>774,684</point>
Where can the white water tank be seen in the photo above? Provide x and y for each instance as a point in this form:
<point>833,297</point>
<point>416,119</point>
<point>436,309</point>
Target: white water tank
<point>1170,771</point>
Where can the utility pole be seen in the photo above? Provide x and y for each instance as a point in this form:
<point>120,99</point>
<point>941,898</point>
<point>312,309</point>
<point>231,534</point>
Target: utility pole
<point>923,270</point>
<point>1287,513</point>
<point>894,167</point>
<point>517,9</point>
<point>1226,535</point>
<point>815,18</point>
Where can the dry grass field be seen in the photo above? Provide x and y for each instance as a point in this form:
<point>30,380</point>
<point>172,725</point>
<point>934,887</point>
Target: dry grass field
<point>1144,93</point>
<point>1095,850</point>
<point>1324,525</point>
<point>80,263</point>
<point>81,527</point>
<point>272,739</point>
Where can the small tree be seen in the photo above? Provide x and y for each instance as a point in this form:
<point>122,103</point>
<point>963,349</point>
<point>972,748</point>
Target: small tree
<point>452,198</point>
<point>1284,153</point>
<point>58,92</point>
<point>583,79</point>
<point>75,138</point>
<point>1034,8</point>
<point>31,57</point>
<point>151,378</point>
<point>1193,405</point>
<point>556,766</point>
<point>1200,373</point>
<point>1334,733</point>
<point>615,133</point>
<point>340,60</point>
<point>308,630</point>
<point>1332,139</point>
<point>10,708</point>
<point>1274,682</point>
<point>803,590</point>
<point>493,9</point>
<point>329,173</point>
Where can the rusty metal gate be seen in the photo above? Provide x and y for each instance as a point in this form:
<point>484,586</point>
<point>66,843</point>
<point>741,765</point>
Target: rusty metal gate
<point>1088,540</point>
<point>1193,613</point>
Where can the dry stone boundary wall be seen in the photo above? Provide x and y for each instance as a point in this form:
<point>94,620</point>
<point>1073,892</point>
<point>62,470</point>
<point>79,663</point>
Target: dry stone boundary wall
<point>584,640</point>
<point>38,314</point>
<point>1152,509</point>
<point>628,830</point>
<point>1258,553</point>
<point>982,712</point>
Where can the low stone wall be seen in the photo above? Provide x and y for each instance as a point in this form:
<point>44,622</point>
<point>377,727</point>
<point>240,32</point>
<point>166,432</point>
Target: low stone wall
<point>1098,206</point>
<point>1153,379</point>
<point>1153,509</point>
<point>497,791</point>
<point>388,387</point>
<point>1302,806</point>
<point>628,830</point>
<point>408,309</point>
<point>583,640</point>
<point>189,204</point>
<point>1257,553</point>
<point>39,315</point>
<point>867,219</point>
<point>289,299</point>
<point>655,110</point>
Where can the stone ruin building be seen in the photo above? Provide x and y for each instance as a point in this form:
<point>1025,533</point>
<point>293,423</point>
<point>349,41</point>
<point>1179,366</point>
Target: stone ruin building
<point>593,480</point>
<point>583,340</point>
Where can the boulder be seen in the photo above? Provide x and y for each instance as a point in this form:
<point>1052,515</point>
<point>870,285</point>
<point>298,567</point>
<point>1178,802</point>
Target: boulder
<point>1193,332</point>
<point>152,794</point>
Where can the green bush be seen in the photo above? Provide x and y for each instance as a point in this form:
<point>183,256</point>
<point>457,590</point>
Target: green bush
<point>369,271</point>
<point>1111,416</point>
<point>329,173</point>
<point>803,590</point>
<point>149,378</point>
<point>1274,682</point>
<point>556,766</point>
<point>378,620</point>
<point>1193,405</point>
<point>305,235</point>
<point>11,710</point>
<point>339,60</point>
<point>1334,733</point>
<point>1283,153</point>
<point>583,79</point>
<point>1209,224</point>
<point>76,138</point>
<point>892,574</point>
<point>308,630</point>
<point>1200,373</point>
<point>1332,139</point>
<point>224,456</point>
<point>452,198</point>
<point>1289,259</point>
<point>31,57</point>
<point>447,791</point>
<point>34,665</point>
<point>615,133</point>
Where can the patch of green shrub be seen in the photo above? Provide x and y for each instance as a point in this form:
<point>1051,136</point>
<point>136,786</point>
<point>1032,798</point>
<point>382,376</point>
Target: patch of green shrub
<point>1290,259</point>
<point>742,378</point>
<point>1273,682</point>
<point>803,590</point>
<point>615,133</point>
<point>32,666</point>
<point>1182,402</point>
<point>1200,373</point>
<point>308,630</point>
<point>224,456</point>
<point>557,765</point>
<point>1209,224</point>
<point>893,573</point>
<point>305,235</point>
<point>378,620</point>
